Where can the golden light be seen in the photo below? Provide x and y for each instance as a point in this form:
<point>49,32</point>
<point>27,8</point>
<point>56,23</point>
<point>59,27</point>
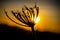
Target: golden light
<point>37,20</point>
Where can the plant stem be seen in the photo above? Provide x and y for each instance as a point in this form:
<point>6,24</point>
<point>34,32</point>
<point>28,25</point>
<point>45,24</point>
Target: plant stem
<point>33,34</point>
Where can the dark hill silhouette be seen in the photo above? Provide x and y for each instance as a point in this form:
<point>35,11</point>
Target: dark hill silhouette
<point>8,32</point>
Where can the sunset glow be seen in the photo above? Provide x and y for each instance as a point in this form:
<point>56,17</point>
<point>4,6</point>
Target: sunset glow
<point>37,19</point>
<point>47,19</point>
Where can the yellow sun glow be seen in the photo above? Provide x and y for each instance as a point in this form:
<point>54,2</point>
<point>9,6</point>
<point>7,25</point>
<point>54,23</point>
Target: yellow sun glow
<point>37,20</point>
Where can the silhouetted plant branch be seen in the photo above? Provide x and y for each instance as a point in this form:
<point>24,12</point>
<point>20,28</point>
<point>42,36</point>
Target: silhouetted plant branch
<point>28,18</point>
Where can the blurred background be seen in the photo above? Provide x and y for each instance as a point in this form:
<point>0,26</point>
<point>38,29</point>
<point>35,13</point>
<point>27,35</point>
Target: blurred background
<point>49,18</point>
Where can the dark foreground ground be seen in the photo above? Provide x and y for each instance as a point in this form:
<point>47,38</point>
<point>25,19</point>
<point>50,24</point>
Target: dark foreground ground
<point>7,32</point>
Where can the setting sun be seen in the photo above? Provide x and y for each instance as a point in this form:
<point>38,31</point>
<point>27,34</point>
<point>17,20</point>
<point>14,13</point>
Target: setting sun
<point>37,20</point>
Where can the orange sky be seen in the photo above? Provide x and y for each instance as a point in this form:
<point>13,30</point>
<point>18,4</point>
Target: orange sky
<point>47,14</point>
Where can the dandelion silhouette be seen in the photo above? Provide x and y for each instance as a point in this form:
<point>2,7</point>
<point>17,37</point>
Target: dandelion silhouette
<point>28,18</point>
